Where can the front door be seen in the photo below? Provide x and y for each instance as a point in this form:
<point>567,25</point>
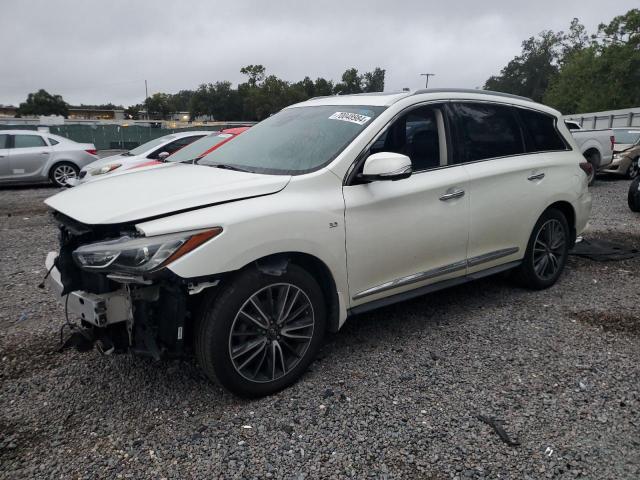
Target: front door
<point>5,168</point>
<point>29,155</point>
<point>409,233</point>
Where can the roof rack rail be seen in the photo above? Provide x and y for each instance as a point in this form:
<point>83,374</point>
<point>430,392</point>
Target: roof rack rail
<point>470,90</point>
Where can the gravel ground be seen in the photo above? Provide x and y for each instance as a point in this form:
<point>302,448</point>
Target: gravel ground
<point>396,394</point>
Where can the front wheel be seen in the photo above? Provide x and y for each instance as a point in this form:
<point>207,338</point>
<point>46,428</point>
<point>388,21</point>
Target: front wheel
<point>633,197</point>
<point>547,251</point>
<point>61,172</point>
<point>261,332</point>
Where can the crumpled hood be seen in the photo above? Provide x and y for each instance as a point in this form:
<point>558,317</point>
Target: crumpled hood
<point>160,191</point>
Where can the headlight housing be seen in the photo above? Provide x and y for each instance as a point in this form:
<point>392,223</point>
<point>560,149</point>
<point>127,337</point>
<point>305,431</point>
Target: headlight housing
<point>105,169</point>
<point>139,255</point>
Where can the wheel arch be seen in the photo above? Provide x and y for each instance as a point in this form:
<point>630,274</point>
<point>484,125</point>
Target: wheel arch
<point>569,213</point>
<point>277,263</point>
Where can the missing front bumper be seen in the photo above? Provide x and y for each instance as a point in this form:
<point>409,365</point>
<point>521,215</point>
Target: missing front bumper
<point>98,310</point>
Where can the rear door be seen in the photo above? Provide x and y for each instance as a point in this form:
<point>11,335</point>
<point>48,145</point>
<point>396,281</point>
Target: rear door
<point>29,156</point>
<point>510,181</point>
<point>5,168</point>
<point>405,234</point>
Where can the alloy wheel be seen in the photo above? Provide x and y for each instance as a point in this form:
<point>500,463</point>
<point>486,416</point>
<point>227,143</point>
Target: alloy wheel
<point>634,169</point>
<point>549,249</point>
<point>63,173</point>
<point>271,332</point>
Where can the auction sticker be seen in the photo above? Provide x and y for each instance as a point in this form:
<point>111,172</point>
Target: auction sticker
<point>350,117</point>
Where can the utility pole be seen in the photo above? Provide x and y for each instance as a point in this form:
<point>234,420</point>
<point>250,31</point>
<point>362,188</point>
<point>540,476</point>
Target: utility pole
<point>427,75</point>
<point>146,95</point>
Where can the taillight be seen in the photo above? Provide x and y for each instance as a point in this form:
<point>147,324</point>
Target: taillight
<point>92,152</point>
<point>613,141</point>
<point>587,168</point>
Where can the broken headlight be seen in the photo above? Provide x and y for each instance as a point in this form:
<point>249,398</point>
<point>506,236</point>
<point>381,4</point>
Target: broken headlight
<point>139,255</point>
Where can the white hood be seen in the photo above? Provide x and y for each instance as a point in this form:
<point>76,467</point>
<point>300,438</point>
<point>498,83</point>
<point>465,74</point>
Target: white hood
<point>160,191</point>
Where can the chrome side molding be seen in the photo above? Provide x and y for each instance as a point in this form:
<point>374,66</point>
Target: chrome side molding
<point>436,272</point>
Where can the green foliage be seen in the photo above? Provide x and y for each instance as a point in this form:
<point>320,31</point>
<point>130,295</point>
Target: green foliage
<point>260,96</point>
<point>43,103</point>
<point>158,105</point>
<point>575,72</point>
<point>529,73</point>
<point>133,111</point>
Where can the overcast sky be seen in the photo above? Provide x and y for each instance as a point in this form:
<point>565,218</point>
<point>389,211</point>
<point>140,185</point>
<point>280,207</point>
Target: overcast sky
<point>93,51</point>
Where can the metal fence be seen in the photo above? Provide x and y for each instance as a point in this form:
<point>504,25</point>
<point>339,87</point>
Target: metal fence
<point>113,136</point>
<point>628,117</point>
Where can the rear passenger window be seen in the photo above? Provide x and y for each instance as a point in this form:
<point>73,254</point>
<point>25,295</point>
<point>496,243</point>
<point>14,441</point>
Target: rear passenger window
<point>487,131</point>
<point>4,141</point>
<point>26,141</point>
<point>542,131</point>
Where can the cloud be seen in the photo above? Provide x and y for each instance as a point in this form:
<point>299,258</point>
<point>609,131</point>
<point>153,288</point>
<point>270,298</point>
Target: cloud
<point>98,52</point>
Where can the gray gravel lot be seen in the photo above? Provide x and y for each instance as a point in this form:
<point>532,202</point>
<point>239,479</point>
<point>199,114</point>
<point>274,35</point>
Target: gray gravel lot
<point>396,394</point>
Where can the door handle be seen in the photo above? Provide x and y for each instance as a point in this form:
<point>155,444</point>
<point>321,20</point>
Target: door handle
<point>44,153</point>
<point>451,195</point>
<point>537,176</point>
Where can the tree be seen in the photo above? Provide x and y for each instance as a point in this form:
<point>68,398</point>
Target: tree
<point>374,81</point>
<point>603,75</point>
<point>351,83</point>
<point>256,74</point>
<point>180,101</point>
<point>133,111</point>
<point>43,103</point>
<point>158,104</point>
<point>530,73</point>
<point>322,87</point>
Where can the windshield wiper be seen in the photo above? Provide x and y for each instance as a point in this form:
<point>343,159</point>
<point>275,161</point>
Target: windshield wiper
<point>230,167</point>
<point>127,154</point>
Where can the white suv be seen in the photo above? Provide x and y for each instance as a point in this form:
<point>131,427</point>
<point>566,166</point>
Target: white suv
<point>331,207</point>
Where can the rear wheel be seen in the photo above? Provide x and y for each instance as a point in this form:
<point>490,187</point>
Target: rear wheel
<point>261,332</point>
<point>63,171</point>
<point>593,157</point>
<point>634,169</point>
<point>633,197</point>
<point>547,251</point>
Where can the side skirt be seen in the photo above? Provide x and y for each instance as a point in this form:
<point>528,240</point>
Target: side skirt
<point>434,287</point>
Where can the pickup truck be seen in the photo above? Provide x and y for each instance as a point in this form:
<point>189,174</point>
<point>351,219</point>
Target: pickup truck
<point>595,145</point>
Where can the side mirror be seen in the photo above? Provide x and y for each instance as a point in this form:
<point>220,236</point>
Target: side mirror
<point>162,156</point>
<point>386,166</point>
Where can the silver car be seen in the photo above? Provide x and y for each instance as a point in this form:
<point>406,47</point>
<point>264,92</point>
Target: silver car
<point>29,156</point>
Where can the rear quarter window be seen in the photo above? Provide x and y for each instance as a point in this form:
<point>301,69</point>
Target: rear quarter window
<point>543,134</point>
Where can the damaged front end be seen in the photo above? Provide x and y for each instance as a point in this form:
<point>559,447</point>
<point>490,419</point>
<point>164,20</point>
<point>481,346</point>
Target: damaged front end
<point>112,279</point>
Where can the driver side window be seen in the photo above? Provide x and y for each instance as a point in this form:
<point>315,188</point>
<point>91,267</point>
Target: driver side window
<point>419,135</point>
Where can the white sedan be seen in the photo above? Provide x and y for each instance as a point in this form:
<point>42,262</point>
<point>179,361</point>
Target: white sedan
<point>156,149</point>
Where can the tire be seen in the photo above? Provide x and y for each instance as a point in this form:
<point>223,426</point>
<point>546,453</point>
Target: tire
<point>63,171</point>
<point>633,197</point>
<point>535,272</point>
<point>231,322</point>
<point>634,169</point>
<point>593,157</point>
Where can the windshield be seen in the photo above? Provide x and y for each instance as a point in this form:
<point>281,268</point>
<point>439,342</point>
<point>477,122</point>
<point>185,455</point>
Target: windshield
<point>149,145</point>
<point>626,137</point>
<point>296,140</point>
<point>197,148</point>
